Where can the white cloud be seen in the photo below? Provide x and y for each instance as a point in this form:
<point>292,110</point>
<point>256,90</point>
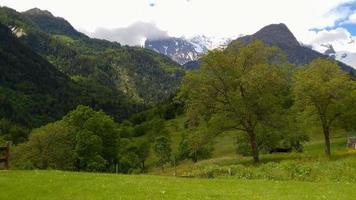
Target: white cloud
<point>339,38</point>
<point>332,35</point>
<point>131,21</point>
<point>134,34</point>
<point>352,19</point>
<point>181,17</point>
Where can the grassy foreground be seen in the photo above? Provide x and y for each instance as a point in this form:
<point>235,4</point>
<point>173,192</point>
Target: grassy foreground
<point>72,186</point>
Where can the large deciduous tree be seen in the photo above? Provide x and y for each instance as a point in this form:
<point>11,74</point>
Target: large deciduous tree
<point>240,88</point>
<point>324,90</point>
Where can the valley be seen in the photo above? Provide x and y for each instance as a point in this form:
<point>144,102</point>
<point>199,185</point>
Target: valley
<point>145,112</point>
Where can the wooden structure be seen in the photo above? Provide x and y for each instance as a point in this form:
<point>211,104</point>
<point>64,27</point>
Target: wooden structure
<point>5,155</point>
<point>351,142</point>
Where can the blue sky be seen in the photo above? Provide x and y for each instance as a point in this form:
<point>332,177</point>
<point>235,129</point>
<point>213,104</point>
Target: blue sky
<point>341,33</point>
<point>347,19</point>
<point>350,27</point>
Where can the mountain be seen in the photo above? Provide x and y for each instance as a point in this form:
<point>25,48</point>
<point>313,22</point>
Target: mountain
<point>280,36</point>
<point>32,91</point>
<point>178,49</point>
<point>346,57</point>
<point>209,43</point>
<point>186,50</point>
<point>143,76</point>
<point>51,24</point>
<point>330,51</point>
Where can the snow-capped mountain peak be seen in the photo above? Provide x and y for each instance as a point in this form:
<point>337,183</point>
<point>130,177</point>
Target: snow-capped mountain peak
<point>210,43</point>
<point>183,50</point>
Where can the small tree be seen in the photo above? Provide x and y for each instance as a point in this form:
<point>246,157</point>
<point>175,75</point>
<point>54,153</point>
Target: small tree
<point>322,89</point>
<point>163,150</point>
<point>143,150</point>
<point>196,144</point>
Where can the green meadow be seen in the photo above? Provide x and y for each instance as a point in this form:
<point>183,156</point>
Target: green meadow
<point>58,185</point>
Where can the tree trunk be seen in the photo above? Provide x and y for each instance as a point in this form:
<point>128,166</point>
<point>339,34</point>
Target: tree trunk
<point>195,157</point>
<point>254,148</point>
<point>143,165</point>
<point>327,140</point>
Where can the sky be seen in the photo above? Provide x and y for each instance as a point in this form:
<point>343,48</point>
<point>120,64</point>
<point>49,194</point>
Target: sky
<point>313,22</point>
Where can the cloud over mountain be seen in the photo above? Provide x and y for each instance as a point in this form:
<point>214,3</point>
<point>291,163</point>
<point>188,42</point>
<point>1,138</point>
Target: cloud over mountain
<point>134,34</point>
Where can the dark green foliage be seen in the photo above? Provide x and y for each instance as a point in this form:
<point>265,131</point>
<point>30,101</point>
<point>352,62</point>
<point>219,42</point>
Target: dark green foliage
<point>133,154</point>
<point>163,150</point>
<point>142,75</point>
<point>10,131</point>
<point>128,159</point>
<point>32,91</point>
<point>85,140</point>
<point>88,149</point>
<point>51,146</point>
<point>100,128</point>
<point>195,146</point>
<point>50,24</point>
<point>101,74</point>
<point>166,110</point>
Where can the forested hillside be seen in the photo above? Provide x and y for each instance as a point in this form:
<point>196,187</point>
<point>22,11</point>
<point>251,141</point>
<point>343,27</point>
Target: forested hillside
<point>145,77</point>
<point>32,91</point>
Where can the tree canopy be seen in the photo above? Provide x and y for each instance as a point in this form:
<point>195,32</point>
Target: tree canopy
<point>325,91</point>
<point>240,89</point>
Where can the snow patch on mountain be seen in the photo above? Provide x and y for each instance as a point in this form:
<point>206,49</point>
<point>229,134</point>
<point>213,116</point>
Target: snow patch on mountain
<point>183,50</point>
<point>204,43</point>
<point>346,57</point>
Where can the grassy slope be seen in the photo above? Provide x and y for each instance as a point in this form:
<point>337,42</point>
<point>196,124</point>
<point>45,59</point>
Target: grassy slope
<point>64,185</point>
<point>224,156</point>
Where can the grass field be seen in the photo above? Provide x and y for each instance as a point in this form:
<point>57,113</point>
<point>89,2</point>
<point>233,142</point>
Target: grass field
<point>56,185</point>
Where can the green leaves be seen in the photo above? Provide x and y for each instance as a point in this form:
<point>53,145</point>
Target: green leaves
<point>323,87</point>
<point>163,150</point>
<point>241,88</point>
<point>84,140</point>
<point>325,91</point>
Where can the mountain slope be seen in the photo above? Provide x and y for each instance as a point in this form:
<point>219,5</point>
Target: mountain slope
<point>178,49</point>
<point>142,75</point>
<point>32,91</point>
<point>279,35</point>
<point>51,24</point>
<point>346,57</point>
